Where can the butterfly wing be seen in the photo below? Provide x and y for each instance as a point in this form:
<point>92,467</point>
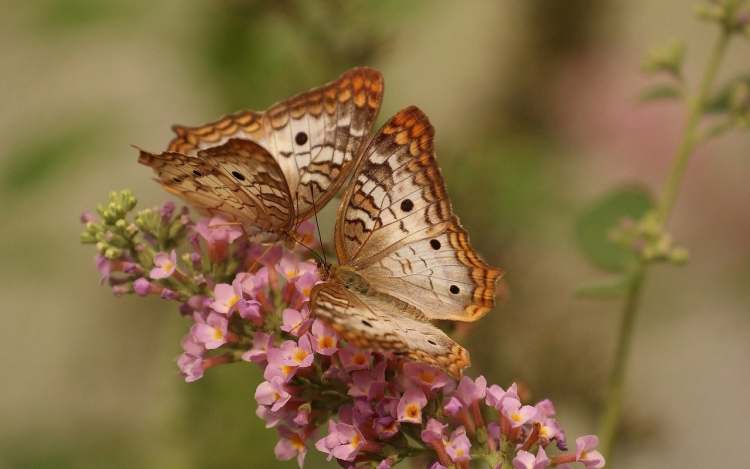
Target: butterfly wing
<point>375,322</point>
<point>397,229</point>
<point>244,125</point>
<point>316,135</point>
<point>239,180</point>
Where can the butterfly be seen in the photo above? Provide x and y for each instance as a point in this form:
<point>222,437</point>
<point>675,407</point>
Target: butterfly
<point>270,171</point>
<point>403,257</point>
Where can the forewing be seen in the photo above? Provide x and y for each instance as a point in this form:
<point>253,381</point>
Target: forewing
<point>374,323</point>
<point>396,226</point>
<point>238,180</point>
<point>316,135</point>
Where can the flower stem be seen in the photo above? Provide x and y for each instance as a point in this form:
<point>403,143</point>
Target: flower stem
<point>691,137</point>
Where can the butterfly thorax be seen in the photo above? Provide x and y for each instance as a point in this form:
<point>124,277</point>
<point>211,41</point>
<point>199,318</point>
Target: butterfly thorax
<point>344,276</point>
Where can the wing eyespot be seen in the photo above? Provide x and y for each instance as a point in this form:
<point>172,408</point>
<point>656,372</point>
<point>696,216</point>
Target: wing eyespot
<point>435,244</point>
<point>407,205</point>
<point>238,175</point>
<point>431,342</point>
<point>455,290</point>
<point>177,180</point>
<point>366,323</point>
<point>300,138</point>
<point>197,173</point>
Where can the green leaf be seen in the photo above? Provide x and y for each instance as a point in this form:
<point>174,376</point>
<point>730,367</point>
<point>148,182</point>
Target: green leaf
<point>593,228</point>
<point>660,92</point>
<point>721,101</point>
<point>613,288</point>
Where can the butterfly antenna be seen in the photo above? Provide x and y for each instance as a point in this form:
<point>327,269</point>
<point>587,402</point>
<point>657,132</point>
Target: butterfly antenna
<point>306,247</point>
<point>317,225</point>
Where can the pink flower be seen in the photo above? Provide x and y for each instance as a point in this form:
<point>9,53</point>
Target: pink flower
<point>303,416</point>
<point>410,406</point>
<point>526,460</point>
<point>469,391</point>
<point>433,431</point>
<point>296,322</point>
<point>278,365</point>
<point>545,407</point>
<point>516,414</point>
<point>458,446</point>
<point>369,383</point>
<point>453,406</point>
<point>143,287</point>
<point>213,332</point>
<point>298,354</point>
<point>386,427</point>
<point>290,445</point>
<point>386,464</point>
<point>252,283</point>
<point>272,418</point>
<point>226,298</point>
<point>325,341</point>
<point>191,366</point>
<point>272,393</point>
<point>353,358</point>
<point>250,310</point>
<point>549,430</point>
<point>192,345</point>
<point>425,375</point>
<point>496,395</point>
<point>305,283</point>
<point>105,266</point>
<point>261,343</point>
<point>218,230</point>
<point>342,442</point>
<point>165,265</point>
<point>590,459</point>
<point>291,268</point>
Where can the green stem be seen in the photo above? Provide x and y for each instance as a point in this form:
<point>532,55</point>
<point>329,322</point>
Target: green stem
<point>611,416</point>
<point>613,401</point>
<point>691,136</point>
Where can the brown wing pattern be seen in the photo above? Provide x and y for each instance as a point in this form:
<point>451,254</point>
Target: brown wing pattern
<point>239,180</point>
<point>316,135</point>
<point>396,192</point>
<point>244,124</point>
<point>383,323</point>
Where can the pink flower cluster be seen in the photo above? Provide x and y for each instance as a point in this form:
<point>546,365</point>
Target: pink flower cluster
<point>360,407</point>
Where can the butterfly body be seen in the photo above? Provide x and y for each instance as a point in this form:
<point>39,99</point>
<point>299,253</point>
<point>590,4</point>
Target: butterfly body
<point>403,257</point>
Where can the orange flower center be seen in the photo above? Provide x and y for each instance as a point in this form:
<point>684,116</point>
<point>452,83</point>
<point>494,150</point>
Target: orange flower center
<point>299,355</point>
<point>427,377</point>
<point>358,359</point>
<point>412,411</point>
<point>325,342</point>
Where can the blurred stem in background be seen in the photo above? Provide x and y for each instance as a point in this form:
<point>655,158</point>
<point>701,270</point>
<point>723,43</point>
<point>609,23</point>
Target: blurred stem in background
<point>733,20</point>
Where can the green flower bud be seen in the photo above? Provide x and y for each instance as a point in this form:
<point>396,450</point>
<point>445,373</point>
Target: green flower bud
<point>113,253</point>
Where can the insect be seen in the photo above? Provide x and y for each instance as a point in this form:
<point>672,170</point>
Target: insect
<point>270,171</point>
<point>403,257</point>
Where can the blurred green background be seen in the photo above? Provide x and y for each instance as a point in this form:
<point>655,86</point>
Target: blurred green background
<point>533,103</point>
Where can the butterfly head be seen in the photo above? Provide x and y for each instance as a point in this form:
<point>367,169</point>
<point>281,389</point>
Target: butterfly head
<point>325,269</point>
